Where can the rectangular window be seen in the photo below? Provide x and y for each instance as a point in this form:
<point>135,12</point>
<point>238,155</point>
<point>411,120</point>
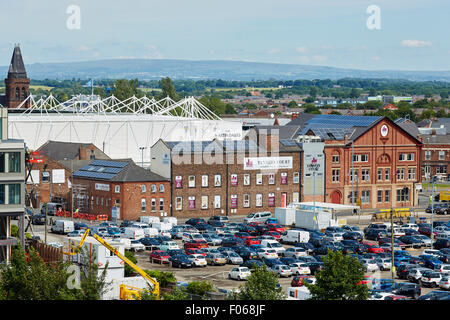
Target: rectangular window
<point>204,181</point>
<point>387,195</point>
<point>441,155</point>
<point>161,188</point>
<point>191,181</point>
<point>246,179</point>
<point>234,201</point>
<point>271,198</point>
<point>411,173</point>
<point>295,177</point>
<point>400,174</point>
<point>259,202</point>
<point>335,175</point>
<point>217,202</point>
<point>234,180</point>
<point>402,195</point>
<point>178,203</point>
<point>259,178</point>
<point>117,189</point>
<point>161,204</point>
<point>246,200</point>
<point>204,202</point>
<point>143,205</point>
<point>401,157</point>
<point>14,193</point>
<point>441,169</point>
<point>143,188</point>
<point>353,175</point>
<point>2,161</point>
<point>364,158</point>
<point>387,173</point>
<point>153,204</point>
<point>355,158</point>
<point>410,156</point>
<point>2,194</point>
<point>217,180</point>
<point>271,178</point>
<point>379,195</point>
<point>365,174</point>
<point>365,196</point>
<point>353,196</point>
<point>178,182</point>
<point>284,178</point>
<point>14,161</point>
<point>380,174</point>
<point>335,158</point>
<point>153,188</point>
<point>427,155</point>
<point>191,202</point>
<point>45,176</point>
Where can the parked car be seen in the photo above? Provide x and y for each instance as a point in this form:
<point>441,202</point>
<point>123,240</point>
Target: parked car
<point>239,273</point>
<point>216,259</point>
<point>195,244</point>
<point>305,245</point>
<point>412,241</point>
<point>150,243</point>
<point>369,265</point>
<point>442,244</point>
<point>295,252</point>
<point>223,219</point>
<point>298,281</point>
<point>299,268</point>
<point>136,246</point>
<point>181,261</point>
<point>252,264</point>
<point>232,257</point>
<point>415,274</point>
<point>445,282</point>
<point>197,259</point>
<point>435,295</point>
<point>410,290</point>
<point>349,228</point>
<point>351,235</point>
<point>282,270</point>
<point>384,263</point>
<point>39,219</point>
<point>430,279</point>
<point>403,270</point>
<point>159,256</point>
<point>266,253</point>
<point>195,221</point>
<point>315,266</point>
<point>375,234</point>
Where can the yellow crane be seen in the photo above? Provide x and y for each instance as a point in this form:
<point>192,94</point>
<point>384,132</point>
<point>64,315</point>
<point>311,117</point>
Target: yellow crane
<point>126,292</point>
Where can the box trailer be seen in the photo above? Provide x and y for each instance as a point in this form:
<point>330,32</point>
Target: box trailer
<point>285,216</point>
<point>295,236</point>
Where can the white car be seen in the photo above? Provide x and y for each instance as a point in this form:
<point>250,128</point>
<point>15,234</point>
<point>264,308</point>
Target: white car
<point>442,230</point>
<point>444,269</point>
<point>295,252</point>
<point>379,295</point>
<point>198,260</point>
<point>333,237</point>
<point>411,226</point>
<point>415,274</point>
<point>282,270</point>
<point>136,245</point>
<point>168,245</point>
<point>398,232</point>
<point>424,238</point>
<point>370,265</point>
<point>445,283</point>
<point>430,279</point>
<point>239,273</point>
<point>299,268</point>
<point>384,264</point>
<point>265,253</point>
<point>187,236</point>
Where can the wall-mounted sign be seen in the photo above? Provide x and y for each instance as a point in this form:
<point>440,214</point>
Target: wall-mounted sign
<point>384,130</point>
<point>234,200</point>
<point>102,187</point>
<point>58,176</point>
<point>178,182</point>
<point>267,163</point>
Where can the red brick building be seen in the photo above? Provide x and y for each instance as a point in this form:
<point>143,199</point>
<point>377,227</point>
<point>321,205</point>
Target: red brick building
<point>228,177</point>
<point>17,84</point>
<point>436,156</point>
<point>121,190</point>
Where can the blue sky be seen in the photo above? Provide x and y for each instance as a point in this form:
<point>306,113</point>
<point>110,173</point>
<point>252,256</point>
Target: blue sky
<point>413,34</point>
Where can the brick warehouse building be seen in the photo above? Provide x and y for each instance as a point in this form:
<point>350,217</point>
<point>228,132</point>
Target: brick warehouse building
<point>228,177</point>
<point>50,181</point>
<point>120,189</point>
<point>436,156</point>
<point>386,160</point>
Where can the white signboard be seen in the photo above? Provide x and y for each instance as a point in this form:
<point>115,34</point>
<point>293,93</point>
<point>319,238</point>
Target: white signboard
<point>58,176</point>
<point>267,163</point>
<point>35,175</point>
<point>102,187</point>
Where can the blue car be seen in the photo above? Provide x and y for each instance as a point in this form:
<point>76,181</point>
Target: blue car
<point>429,261</point>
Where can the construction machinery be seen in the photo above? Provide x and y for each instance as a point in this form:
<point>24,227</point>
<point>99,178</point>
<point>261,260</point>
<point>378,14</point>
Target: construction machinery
<point>126,292</point>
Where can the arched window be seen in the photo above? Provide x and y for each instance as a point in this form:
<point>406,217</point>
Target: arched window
<point>17,94</point>
<point>24,93</point>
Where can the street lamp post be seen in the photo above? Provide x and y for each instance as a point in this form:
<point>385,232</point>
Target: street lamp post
<point>142,151</point>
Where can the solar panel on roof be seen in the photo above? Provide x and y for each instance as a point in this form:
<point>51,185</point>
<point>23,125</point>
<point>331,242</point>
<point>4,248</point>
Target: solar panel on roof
<point>288,143</point>
<point>106,163</point>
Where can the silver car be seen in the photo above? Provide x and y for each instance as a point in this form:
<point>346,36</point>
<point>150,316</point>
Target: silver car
<point>233,257</point>
<point>384,264</point>
<point>415,274</point>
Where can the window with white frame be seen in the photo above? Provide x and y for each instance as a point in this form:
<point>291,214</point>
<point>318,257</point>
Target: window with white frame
<point>379,174</point>
<point>441,155</point>
<point>387,195</point>
<point>365,174</point>
<point>427,155</point>
<point>411,173</point>
<point>161,188</point>
<point>153,188</point>
<point>379,195</point>
<point>259,178</point>
<point>246,200</point>
<point>117,189</point>
<point>387,174</point>
<point>364,158</point>
<point>161,204</point>
<point>353,175</point>
<point>143,188</point>
<point>259,200</point>
<point>217,180</point>
<point>191,181</point>
<point>217,202</point>
<point>335,175</point>
<point>365,196</point>
<point>204,204</point>
<point>204,181</point>
<point>246,179</point>
<point>153,204</point>
<point>295,177</point>
<point>335,158</point>
<point>410,157</point>
<point>178,203</point>
<point>143,205</point>
<point>400,174</point>
<point>271,178</point>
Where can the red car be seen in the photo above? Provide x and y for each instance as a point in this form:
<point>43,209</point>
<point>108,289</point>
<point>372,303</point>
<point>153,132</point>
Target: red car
<point>252,240</point>
<point>194,251</point>
<point>373,248</point>
<point>277,228</point>
<point>297,281</point>
<point>397,298</point>
<point>196,244</point>
<point>159,256</point>
<point>274,234</point>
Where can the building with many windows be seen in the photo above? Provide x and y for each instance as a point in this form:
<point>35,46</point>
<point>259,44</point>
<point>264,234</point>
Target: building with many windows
<point>12,186</point>
<point>228,177</point>
<point>120,189</point>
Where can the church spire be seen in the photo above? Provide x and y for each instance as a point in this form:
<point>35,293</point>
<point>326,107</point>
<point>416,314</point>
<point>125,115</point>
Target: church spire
<point>17,67</point>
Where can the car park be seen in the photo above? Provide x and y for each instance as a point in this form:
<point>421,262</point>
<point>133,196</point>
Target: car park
<point>430,279</point>
<point>159,256</point>
<point>232,257</point>
<point>415,274</point>
<point>299,268</point>
<point>384,263</point>
<point>435,295</point>
<point>281,270</point>
<point>445,282</point>
<point>295,252</point>
<point>298,281</point>
<point>150,243</point>
<point>239,273</point>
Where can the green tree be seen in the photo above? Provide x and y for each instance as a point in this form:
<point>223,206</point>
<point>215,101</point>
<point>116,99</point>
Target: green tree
<point>214,103</point>
<point>311,108</point>
<point>313,91</point>
<point>261,285</point>
<point>338,279</point>
<point>124,89</point>
<point>129,270</point>
<point>230,109</point>
<point>292,104</point>
<point>168,89</point>
<point>199,288</point>
<point>92,283</point>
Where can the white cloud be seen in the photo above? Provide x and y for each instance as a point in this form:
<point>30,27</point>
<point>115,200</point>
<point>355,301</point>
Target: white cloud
<point>83,48</point>
<point>415,43</point>
<point>301,49</point>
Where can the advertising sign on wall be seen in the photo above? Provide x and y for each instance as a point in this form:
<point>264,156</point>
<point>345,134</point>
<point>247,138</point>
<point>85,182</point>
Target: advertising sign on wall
<point>267,163</point>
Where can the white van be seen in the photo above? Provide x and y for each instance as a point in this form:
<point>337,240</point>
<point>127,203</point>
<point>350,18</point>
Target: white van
<point>133,233</point>
<point>148,219</point>
<point>63,226</point>
<point>141,225</point>
<point>258,217</point>
<point>298,293</point>
<point>273,244</point>
<point>295,236</point>
<point>150,232</point>
<point>172,220</point>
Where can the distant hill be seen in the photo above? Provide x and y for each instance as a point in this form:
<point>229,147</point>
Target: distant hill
<point>152,69</point>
